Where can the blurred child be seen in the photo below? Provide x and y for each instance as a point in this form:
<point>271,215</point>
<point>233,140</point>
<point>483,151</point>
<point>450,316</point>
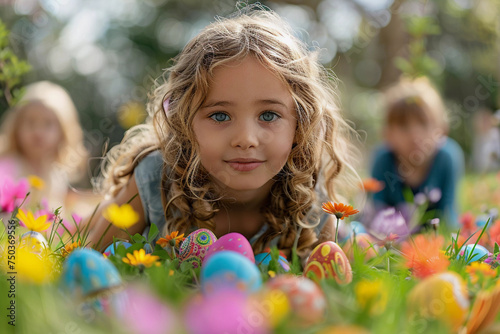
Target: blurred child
<point>245,137</point>
<point>41,138</point>
<point>486,147</point>
<point>418,156</point>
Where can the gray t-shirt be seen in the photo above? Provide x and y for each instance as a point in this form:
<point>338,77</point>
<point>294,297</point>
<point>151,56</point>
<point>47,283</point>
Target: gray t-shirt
<point>148,178</point>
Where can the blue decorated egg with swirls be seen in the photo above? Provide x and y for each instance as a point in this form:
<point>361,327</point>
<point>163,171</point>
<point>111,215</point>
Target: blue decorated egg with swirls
<point>265,259</point>
<point>86,272</point>
<point>194,248</point>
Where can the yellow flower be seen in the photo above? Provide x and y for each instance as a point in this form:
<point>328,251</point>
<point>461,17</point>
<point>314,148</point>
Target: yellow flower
<point>122,216</point>
<point>141,258</point>
<point>70,247</point>
<point>371,295</point>
<point>173,239</point>
<point>36,182</point>
<point>271,273</point>
<point>38,225</point>
<point>478,270</point>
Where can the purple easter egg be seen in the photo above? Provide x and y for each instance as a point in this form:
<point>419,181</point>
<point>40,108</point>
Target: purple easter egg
<point>232,242</point>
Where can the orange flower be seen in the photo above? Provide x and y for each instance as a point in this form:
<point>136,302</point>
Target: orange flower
<point>339,210</point>
<point>70,247</point>
<point>372,185</point>
<point>424,255</point>
<point>173,239</point>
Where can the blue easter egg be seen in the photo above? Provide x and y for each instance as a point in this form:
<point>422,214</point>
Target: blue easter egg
<point>481,221</point>
<point>87,272</point>
<point>228,268</point>
<point>478,253</point>
<point>357,227</point>
<point>111,248</point>
<point>265,258</point>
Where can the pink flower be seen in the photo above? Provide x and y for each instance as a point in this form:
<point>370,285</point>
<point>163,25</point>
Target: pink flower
<point>12,193</point>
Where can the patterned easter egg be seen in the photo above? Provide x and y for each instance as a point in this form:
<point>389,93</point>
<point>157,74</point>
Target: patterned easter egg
<point>228,268</point>
<point>362,244</point>
<point>87,272</point>
<point>111,248</point>
<point>33,242</point>
<point>475,253</point>
<point>232,242</point>
<point>307,301</point>
<point>441,296</point>
<point>265,259</point>
<point>328,260</point>
<point>194,248</point>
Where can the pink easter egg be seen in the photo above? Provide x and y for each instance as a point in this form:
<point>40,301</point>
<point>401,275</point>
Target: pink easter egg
<point>232,242</point>
<point>307,301</point>
<point>195,247</point>
<point>328,260</point>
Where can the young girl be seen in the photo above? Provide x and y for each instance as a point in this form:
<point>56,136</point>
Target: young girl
<point>41,136</point>
<point>418,156</point>
<point>245,137</point>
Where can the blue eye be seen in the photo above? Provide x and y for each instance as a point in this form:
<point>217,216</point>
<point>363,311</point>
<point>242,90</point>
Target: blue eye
<point>219,117</point>
<point>269,116</point>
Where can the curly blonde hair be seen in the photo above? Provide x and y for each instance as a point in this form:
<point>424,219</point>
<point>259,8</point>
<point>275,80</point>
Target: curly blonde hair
<point>323,149</point>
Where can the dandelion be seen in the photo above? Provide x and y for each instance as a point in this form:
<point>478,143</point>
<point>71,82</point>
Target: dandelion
<point>36,182</point>
<point>122,216</point>
<point>478,271</point>
<point>173,240</point>
<point>424,255</point>
<point>340,211</point>
<point>28,220</point>
<point>70,247</point>
<point>140,259</point>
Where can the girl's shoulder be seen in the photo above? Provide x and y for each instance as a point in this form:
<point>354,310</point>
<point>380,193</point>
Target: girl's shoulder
<point>150,167</point>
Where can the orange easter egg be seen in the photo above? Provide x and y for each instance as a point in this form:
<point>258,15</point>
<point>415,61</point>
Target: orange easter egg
<point>328,260</point>
<point>365,244</point>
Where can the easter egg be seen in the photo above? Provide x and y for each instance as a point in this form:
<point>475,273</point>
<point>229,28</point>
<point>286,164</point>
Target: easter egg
<point>87,272</point>
<point>194,248</point>
<point>307,301</point>
<point>228,311</point>
<point>272,304</point>
<point>442,297</point>
<point>33,242</point>
<point>227,268</point>
<point>232,242</point>
<point>265,259</point>
<point>328,260</point>
<point>475,253</point>
<point>362,244</point>
<point>111,248</point>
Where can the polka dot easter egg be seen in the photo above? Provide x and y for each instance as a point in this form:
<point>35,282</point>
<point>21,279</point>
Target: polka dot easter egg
<point>328,260</point>
<point>307,301</point>
<point>194,248</point>
<point>86,272</point>
<point>227,268</point>
<point>232,242</point>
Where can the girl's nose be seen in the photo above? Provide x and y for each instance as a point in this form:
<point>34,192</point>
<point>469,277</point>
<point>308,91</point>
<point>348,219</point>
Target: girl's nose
<point>245,136</point>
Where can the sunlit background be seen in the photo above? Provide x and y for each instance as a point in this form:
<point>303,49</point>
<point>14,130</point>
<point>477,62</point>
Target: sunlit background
<point>107,53</point>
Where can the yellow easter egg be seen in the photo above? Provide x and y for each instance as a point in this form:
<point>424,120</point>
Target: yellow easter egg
<point>441,296</point>
<point>273,305</point>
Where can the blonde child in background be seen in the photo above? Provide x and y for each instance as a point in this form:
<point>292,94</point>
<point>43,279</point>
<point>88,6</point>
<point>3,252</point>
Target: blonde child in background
<point>417,154</point>
<point>245,136</point>
<point>41,138</point>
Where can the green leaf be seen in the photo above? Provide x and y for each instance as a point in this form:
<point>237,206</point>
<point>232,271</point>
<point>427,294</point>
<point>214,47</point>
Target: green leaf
<point>153,232</point>
<point>496,249</point>
<point>138,238</point>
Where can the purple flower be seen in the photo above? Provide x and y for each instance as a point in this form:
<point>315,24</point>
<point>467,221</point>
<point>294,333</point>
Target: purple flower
<point>389,221</point>
<point>434,195</point>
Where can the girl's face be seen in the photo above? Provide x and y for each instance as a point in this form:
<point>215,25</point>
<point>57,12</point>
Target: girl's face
<point>39,133</point>
<point>246,126</point>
